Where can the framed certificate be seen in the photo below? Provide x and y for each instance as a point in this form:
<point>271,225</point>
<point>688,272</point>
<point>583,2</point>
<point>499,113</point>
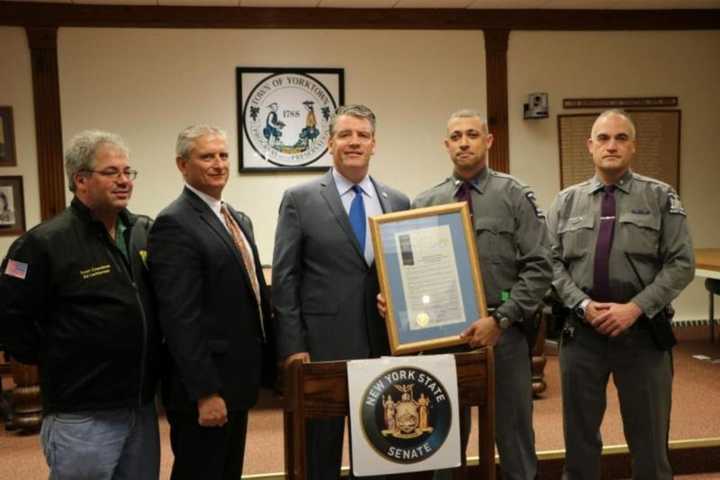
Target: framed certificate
<point>429,275</point>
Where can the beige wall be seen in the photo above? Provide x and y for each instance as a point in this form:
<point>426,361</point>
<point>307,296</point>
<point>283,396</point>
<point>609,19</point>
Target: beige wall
<point>147,84</point>
<point>623,64</point>
<point>16,91</point>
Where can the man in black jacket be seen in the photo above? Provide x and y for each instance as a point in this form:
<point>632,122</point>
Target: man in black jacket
<point>75,300</point>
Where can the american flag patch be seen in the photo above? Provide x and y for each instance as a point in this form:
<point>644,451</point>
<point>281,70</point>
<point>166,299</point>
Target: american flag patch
<point>16,269</point>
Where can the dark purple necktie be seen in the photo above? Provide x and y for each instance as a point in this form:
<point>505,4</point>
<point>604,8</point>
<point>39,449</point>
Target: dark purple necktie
<point>601,278</point>
<point>464,194</point>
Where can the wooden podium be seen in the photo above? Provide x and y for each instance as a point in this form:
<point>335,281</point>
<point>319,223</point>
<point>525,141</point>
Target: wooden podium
<point>320,390</point>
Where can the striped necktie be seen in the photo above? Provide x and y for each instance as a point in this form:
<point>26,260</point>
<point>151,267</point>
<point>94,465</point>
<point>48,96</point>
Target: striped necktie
<point>242,245</point>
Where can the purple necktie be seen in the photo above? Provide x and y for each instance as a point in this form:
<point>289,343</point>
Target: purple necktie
<point>464,194</point>
<point>601,278</point>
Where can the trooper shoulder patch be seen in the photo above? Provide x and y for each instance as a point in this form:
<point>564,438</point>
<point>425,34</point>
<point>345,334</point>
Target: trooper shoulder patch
<point>675,204</point>
<point>533,202</point>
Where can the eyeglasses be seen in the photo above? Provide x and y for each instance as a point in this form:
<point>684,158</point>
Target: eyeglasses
<point>115,174</point>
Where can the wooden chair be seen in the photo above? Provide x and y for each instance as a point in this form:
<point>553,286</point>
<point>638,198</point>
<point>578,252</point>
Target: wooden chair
<point>713,287</point>
<point>320,390</point>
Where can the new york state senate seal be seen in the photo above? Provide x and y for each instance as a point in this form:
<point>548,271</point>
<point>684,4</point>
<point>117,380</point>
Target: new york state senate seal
<point>405,414</point>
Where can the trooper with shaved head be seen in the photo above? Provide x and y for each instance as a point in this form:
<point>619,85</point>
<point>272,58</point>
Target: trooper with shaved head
<point>621,254</point>
<point>515,265</point>
<point>75,300</point>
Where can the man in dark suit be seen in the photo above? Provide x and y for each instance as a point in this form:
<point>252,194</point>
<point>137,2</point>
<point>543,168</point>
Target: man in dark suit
<point>212,301</point>
<point>324,277</point>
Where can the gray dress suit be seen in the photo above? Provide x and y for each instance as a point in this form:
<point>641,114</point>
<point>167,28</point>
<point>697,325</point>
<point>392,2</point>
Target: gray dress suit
<point>324,293</point>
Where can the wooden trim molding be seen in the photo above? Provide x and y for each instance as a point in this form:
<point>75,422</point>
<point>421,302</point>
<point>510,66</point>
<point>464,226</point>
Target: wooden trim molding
<point>42,20</point>
<point>48,128</point>
<point>77,15</point>
<point>496,45</point>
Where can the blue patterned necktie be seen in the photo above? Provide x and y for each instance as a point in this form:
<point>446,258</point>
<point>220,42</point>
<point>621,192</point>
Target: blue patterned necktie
<point>357,216</point>
<point>601,276</point>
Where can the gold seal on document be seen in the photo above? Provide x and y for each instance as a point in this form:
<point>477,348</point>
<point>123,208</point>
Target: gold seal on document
<point>422,319</point>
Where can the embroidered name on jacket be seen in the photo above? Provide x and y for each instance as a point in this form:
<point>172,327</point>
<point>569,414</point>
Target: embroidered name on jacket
<point>95,271</point>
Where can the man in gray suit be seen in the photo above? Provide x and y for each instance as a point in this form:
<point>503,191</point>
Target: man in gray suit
<point>324,279</point>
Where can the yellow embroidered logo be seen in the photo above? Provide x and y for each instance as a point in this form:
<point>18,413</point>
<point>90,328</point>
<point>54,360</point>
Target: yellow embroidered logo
<point>95,271</point>
<point>143,257</point>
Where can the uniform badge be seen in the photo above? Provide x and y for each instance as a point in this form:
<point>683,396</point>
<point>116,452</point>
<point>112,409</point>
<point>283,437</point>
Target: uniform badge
<point>675,205</point>
<point>533,201</point>
<point>406,415</point>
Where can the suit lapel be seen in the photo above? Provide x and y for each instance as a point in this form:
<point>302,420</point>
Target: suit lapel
<point>330,193</point>
<point>382,196</point>
<point>212,221</point>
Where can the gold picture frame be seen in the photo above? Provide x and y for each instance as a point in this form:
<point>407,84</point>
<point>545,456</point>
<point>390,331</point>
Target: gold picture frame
<point>429,275</point>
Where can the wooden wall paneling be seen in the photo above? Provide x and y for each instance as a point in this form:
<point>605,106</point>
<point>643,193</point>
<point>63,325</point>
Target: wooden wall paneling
<point>78,15</point>
<point>496,45</point>
<point>48,128</point>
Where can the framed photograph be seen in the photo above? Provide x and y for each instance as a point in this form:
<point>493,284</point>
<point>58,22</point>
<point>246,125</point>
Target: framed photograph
<point>7,138</point>
<point>429,275</point>
<point>12,206</point>
<point>284,115</point>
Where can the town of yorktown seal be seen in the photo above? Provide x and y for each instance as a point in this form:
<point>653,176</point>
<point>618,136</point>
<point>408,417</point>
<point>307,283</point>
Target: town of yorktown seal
<point>406,414</point>
<point>286,118</point>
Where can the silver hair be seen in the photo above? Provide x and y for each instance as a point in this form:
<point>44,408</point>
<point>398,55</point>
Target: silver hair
<point>357,111</point>
<point>470,113</point>
<point>620,113</point>
<point>82,150</point>
<point>186,138</point>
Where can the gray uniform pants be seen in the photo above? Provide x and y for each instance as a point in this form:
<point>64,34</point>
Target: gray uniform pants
<point>514,434</point>
<point>643,376</point>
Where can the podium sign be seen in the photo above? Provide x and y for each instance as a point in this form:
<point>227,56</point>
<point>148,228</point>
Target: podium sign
<point>404,414</point>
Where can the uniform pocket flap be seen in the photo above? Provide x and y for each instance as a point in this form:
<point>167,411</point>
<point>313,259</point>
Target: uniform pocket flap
<point>642,220</point>
<point>495,225</point>
<point>576,223</point>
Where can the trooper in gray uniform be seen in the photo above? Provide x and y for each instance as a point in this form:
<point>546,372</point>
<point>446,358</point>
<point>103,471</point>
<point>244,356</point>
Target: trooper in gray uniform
<point>515,263</point>
<point>621,254</point>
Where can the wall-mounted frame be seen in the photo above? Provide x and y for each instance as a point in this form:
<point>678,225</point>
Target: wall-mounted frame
<point>12,206</point>
<point>284,115</point>
<point>429,274</point>
<point>7,138</point>
<point>658,146</point>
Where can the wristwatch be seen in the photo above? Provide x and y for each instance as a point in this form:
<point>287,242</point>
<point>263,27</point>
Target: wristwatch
<point>502,321</point>
<point>581,308</point>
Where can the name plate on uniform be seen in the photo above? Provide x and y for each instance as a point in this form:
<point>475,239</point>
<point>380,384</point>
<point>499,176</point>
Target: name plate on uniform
<point>429,274</point>
<point>403,414</point>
